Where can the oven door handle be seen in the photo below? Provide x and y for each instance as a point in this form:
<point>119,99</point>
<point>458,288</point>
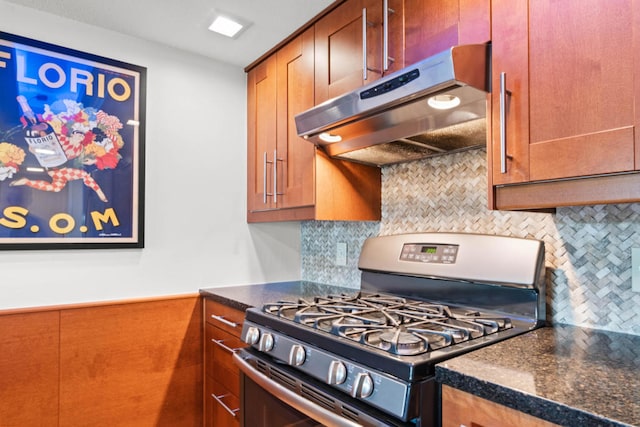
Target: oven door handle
<point>303,405</point>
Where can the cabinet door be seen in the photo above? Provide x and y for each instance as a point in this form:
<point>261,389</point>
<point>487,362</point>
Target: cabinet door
<point>460,408</point>
<point>580,88</point>
<point>261,135</point>
<point>510,59</point>
<point>295,171</point>
<point>345,60</point>
<point>432,26</point>
<point>569,105</point>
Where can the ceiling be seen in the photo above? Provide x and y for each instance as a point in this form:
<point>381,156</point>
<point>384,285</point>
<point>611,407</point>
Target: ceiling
<point>183,23</point>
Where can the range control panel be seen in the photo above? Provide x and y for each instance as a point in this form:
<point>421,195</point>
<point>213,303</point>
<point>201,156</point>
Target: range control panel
<point>431,253</point>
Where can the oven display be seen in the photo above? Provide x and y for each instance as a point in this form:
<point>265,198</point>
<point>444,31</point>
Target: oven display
<point>431,253</point>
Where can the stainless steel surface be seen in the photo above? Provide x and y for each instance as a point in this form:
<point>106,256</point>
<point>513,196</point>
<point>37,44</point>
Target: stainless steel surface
<point>385,36</point>
<point>503,122</point>
<point>364,44</point>
<point>395,108</point>
<point>221,344</point>
<point>507,261</point>
<point>297,402</point>
<point>225,321</point>
<point>275,176</point>
<point>264,178</point>
<point>423,298</point>
<point>348,376</point>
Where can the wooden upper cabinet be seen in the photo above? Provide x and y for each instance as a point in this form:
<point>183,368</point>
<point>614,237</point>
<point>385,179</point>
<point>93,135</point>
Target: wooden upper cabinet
<point>432,26</point>
<point>295,67</point>
<point>261,134</point>
<point>570,99</point>
<point>354,47</point>
<point>280,172</point>
<point>289,179</point>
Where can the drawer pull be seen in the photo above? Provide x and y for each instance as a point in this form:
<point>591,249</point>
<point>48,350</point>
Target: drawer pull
<point>225,321</point>
<point>227,348</point>
<point>219,400</point>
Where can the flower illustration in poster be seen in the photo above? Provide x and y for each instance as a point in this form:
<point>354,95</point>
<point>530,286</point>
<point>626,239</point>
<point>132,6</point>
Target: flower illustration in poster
<point>71,139</point>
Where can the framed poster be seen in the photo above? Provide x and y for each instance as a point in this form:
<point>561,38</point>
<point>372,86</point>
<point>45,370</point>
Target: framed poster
<point>71,148</point>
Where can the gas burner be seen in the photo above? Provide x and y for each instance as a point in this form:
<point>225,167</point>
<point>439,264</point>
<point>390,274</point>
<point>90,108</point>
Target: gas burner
<point>402,343</point>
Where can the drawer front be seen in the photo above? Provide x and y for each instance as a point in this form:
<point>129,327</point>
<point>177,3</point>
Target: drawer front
<point>224,317</point>
<point>221,406</point>
<point>219,357</point>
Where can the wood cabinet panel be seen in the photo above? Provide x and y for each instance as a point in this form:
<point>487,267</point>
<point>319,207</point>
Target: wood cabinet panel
<point>590,154</point>
<point>223,407</point>
<point>461,408</point>
<point>572,98</point>
<point>635,43</point>
<point>581,75</point>
<point>219,347</point>
<point>222,376</point>
<point>510,51</point>
<point>261,134</point>
<point>349,55</point>
<point>339,51</point>
<point>583,117</point>
<point>347,191</point>
<point>432,26</point>
<point>475,21</point>
<point>295,68</point>
<point>224,317</point>
<point>29,369</point>
<point>137,364</point>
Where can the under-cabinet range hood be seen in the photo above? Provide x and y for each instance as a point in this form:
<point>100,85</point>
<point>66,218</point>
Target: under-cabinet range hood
<point>433,107</point>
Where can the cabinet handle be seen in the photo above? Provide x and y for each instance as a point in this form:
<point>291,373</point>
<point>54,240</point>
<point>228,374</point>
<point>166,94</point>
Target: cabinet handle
<point>364,43</point>
<point>385,36</point>
<point>266,162</point>
<point>219,400</point>
<point>225,321</point>
<point>275,177</point>
<point>225,347</point>
<point>503,122</point>
<point>264,179</point>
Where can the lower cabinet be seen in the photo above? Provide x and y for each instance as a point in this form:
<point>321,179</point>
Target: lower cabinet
<point>222,328</point>
<point>463,409</point>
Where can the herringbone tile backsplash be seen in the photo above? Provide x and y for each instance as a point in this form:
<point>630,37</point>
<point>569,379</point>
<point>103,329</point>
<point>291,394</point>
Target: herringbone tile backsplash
<point>588,249</point>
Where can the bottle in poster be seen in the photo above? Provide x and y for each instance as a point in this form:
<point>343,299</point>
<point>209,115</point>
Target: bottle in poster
<point>42,139</point>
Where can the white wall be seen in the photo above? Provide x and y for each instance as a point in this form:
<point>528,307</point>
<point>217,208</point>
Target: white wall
<point>195,232</point>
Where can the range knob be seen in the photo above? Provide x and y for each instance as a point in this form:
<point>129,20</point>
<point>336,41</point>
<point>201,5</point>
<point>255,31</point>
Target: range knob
<point>266,342</point>
<point>337,373</point>
<point>252,336</point>
<point>296,355</point>
<point>362,386</point>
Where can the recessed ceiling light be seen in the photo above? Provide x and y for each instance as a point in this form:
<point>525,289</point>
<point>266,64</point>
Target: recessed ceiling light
<point>227,26</point>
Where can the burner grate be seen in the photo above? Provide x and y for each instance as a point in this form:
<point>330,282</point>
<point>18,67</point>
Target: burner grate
<point>391,323</point>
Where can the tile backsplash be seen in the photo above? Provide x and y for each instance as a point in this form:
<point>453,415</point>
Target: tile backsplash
<point>588,248</point>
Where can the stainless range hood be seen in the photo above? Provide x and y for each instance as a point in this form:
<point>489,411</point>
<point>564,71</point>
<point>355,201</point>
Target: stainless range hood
<point>433,107</point>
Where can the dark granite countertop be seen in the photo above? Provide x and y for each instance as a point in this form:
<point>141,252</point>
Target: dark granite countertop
<point>564,374</point>
<point>243,297</point>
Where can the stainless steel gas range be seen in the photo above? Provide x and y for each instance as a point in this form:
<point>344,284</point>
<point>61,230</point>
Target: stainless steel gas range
<point>368,357</point>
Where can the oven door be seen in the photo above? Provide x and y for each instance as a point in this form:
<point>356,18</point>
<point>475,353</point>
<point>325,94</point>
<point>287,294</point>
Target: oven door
<point>275,395</point>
